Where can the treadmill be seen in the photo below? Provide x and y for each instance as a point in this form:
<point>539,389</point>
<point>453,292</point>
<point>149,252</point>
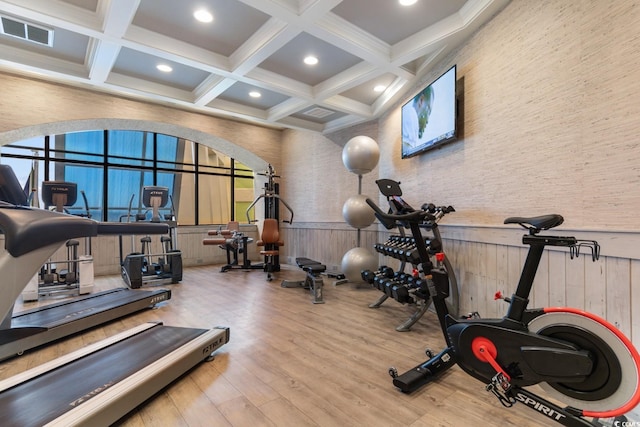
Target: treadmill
<point>35,327</point>
<point>100,383</point>
<point>32,328</point>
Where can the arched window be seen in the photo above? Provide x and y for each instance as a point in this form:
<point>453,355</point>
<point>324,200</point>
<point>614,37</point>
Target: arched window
<point>111,167</point>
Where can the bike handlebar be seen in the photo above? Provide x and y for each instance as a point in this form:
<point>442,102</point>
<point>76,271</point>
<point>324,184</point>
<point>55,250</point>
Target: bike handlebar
<point>415,216</point>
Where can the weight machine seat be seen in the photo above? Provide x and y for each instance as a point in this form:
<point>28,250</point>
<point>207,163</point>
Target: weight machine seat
<point>126,228</point>
<point>270,236</point>
<point>223,239</point>
<point>270,239</point>
<point>216,241</point>
<point>232,227</point>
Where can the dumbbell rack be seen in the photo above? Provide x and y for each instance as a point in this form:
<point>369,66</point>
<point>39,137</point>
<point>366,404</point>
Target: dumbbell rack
<point>411,288</point>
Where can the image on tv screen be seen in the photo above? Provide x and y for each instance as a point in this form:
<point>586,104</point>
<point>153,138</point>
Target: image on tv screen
<point>429,118</point>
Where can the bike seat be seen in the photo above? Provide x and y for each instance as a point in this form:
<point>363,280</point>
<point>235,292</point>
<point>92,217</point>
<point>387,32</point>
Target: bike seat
<point>543,222</point>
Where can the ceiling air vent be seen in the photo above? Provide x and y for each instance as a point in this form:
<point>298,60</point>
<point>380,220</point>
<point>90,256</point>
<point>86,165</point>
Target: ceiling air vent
<point>318,112</point>
<point>26,31</point>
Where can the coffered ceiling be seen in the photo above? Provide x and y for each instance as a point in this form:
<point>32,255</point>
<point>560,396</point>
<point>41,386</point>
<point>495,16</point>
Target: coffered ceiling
<point>250,46</point>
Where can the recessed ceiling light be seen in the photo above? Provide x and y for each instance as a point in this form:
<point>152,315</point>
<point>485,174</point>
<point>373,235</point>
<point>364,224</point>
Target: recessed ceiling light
<point>255,94</point>
<point>379,88</point>
<point>407,2</point>
<point>203,15</point>
<point>164,68</point>
<point>311,60</point>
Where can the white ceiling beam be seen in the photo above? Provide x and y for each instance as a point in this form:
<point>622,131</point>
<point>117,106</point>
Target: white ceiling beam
<point>273,35</point>
<point>117,16</point>
<point>288,107</point>
<point>151,89</point>
<point>350,78</point>
<point>300,124</point>
<point>101,55</point>
<point>347,105</point>
<point>239,110</point>
<point>267,79</point>
<point>389,96</point>
<point>211,88</point>
<point>343,123</point>
<point>14,58</point>
<point>150,42</point>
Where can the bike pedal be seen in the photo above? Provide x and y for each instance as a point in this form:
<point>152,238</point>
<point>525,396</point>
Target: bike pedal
<point>499,386</point>
<point>472,315</point>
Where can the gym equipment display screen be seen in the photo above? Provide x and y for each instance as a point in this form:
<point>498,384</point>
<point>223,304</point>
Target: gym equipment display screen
<point>59,194</point>
<point>429,118</point>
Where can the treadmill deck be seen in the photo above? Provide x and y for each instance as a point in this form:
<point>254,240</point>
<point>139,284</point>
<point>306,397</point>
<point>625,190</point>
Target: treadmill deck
<point>83,382</point>
<point>41,325</point>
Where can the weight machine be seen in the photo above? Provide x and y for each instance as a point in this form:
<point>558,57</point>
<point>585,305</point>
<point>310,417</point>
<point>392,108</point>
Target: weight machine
<point>234,242</point>
<point>272,201</point>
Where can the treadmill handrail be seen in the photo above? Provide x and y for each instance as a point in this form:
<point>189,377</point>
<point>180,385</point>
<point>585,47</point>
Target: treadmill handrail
<point>27,229</point>
<point>32,235</point>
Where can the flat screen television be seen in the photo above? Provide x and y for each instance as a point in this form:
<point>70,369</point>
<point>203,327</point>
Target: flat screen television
<point>429,119</point>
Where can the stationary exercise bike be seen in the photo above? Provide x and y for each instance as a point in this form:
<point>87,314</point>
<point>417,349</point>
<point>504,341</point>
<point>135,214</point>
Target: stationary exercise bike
<point>578,358</point>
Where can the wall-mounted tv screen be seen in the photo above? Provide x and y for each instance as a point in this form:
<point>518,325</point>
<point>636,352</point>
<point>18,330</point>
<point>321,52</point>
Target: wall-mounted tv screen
<point>429,118</point>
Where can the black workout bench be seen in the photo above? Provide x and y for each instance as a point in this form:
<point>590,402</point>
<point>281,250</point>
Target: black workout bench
<point>313,281</point>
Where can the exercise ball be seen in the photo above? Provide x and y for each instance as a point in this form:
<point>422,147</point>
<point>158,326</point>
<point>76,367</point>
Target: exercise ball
<point>356,260</point>
<point>357,212</point>
<point>360,155</point>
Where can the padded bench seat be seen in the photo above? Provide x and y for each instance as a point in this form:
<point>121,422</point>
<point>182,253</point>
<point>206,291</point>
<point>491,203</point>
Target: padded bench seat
<point>313,280</point>
<point>302,261</point>
<point>314,268</point>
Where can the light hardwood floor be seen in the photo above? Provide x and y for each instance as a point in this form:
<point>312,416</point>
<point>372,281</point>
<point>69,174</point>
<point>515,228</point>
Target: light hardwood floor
<point>292,363</point>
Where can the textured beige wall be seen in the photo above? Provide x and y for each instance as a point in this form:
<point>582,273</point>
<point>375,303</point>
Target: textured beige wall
<point>314,177</point>
<point>551,119</point>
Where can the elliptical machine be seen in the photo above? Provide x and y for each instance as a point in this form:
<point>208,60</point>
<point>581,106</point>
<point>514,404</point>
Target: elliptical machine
<point>77,275</point>
<point>577,357</point>
<point>138,268</point>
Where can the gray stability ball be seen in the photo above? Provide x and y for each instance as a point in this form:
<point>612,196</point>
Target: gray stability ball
<point>356,260</point>
<point>357,213</point>
<point>360,155</point>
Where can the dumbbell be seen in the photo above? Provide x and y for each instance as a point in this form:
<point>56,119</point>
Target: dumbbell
<point>382,271</point>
